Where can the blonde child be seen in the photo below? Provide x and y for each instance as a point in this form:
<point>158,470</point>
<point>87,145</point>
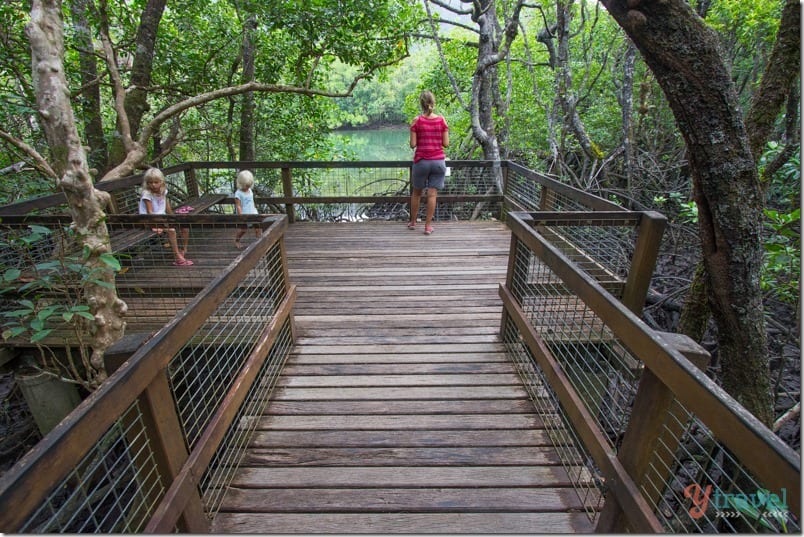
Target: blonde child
<point>154,200</point>
<point>244,203</point>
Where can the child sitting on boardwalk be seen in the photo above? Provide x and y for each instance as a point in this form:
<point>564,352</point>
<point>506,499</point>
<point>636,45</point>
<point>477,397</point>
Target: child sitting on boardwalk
<point>244,203</point>
<point>154,200</point>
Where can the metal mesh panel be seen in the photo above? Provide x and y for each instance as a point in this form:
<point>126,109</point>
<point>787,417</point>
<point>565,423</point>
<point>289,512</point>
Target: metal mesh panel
<point>525,191</point>
<point>227,459</point>
<point>532,195</point>
<point>603,252</point>
<point>202,372</point>
<point>696,486</point>
<point>114,489</point>
<point>693,483</point>
<point>601,370</point>
<point>577,462</point>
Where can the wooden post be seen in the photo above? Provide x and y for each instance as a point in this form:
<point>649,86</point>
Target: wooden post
<point>192,183</point>
<point>654,423</point>
<point>164,433</point>
<point>287,191</point>
<point>546,199</point>
<point>646,250</point>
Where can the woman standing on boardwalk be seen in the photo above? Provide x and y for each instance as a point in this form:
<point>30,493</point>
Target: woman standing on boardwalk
<point>429,135</point>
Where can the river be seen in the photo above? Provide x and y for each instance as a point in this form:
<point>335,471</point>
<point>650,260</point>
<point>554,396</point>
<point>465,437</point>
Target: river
<point>385,143</point>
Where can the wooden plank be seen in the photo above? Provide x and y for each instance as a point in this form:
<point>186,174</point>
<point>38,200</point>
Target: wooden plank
<point>523,438</point>
<point>401,476</point>
<point>415,523</point>
<point>356,381</point>
<point>465,406</point>
<point>401,422</point>
<point>384,500</point>
<point>407,392</point>
<point>398,409</point>
<point>429,367</point>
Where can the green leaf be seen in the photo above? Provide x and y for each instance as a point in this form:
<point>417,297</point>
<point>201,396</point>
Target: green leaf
<point>11,274</point>
<point>17,313</point>
<point>42,334</point>
<point>85,315</point>
<point>40,230</point>
<point>110,261</point>
<point>747,509</point>
<point>46,313</point>
<point>67,316</point>
<point>13,332</point>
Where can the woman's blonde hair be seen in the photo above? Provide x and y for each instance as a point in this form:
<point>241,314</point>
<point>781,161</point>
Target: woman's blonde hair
<point>427,101</point>
<point>245,179</point>
<point>154,173</point>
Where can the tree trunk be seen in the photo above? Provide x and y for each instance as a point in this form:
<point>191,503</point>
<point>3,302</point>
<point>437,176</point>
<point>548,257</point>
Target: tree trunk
<point>136,103</point>
<point>684,56</point>
<point>565,94</point>
<point>248,108</point>
<point>626,99</point>
<point>777,80</point>
<point>90,98</point>
<point>136,99</point>
<point>69,162</point>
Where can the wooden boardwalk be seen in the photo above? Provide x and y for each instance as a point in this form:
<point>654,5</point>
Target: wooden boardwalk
<point>398,411</point>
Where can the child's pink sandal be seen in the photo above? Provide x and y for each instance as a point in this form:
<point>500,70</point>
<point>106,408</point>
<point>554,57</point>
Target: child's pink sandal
<point>428,230</point>
<point>411,225</point>
<point>183,263</point>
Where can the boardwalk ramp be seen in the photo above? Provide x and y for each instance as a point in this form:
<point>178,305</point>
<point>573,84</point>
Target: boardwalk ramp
<point>398,411</point>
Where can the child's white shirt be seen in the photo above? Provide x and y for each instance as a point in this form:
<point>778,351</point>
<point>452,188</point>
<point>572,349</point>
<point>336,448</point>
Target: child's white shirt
<point>158,202</point>
<point>246,201</point>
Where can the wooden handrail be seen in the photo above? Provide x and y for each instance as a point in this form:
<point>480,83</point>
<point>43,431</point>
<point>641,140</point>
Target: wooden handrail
<point>51,460</point>
<point>751,442</point>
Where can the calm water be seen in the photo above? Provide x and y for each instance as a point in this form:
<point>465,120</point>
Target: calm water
<point>387,143</point>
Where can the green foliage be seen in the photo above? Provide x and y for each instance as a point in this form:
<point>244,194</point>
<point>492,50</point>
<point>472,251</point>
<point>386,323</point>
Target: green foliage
<point>44,292</point>
<point>770,507</point>
<point>783,188</point>
<point>686,211</point>
<point>782,264</point>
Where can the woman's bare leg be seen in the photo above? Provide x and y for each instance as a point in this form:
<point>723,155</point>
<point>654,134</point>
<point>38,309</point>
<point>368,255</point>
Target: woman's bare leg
<point>431,206</point>
<point>415,197</point>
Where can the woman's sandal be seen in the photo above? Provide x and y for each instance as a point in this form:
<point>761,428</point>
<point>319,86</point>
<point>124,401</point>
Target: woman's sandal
<point>428,230</point>
<point>183,263</point>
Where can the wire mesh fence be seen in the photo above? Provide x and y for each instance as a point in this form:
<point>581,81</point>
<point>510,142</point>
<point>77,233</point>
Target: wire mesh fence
<point>693,482</point>
<point>120,481</point>
<point>226,461</point>
<point>696,485</point>
<point>115,488</point>
<point>586,479</point>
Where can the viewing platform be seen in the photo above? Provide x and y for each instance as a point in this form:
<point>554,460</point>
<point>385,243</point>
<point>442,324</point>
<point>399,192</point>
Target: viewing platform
<point>343,374</point>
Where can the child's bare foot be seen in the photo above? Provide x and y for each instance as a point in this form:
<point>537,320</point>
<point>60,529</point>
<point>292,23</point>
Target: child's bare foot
<point>238,245</point>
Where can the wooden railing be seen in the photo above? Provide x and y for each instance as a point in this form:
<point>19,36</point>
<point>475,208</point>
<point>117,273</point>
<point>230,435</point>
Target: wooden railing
<point>151,448</point>
<point>667,448</point>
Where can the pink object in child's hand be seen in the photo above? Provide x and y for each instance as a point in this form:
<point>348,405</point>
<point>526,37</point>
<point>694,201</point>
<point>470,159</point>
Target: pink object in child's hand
<point>184,209</point>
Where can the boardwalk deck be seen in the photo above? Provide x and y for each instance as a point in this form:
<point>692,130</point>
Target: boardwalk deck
<point>398,411</point>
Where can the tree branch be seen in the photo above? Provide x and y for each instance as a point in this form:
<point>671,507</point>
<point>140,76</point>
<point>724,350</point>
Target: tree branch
<point>37,160</point>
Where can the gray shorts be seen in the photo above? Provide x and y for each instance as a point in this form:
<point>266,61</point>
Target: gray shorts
<point>429,174</point>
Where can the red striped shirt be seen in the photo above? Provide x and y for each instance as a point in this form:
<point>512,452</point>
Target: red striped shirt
<point>429,135</point>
